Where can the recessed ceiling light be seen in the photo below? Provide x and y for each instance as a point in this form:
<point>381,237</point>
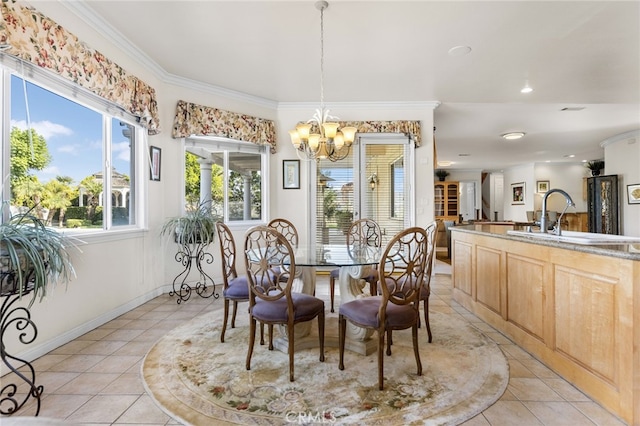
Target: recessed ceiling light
<point>513,135</point>
<point>444,163</point>
<point>569,156</point>
<point>526,89</point>
<point>459,50</point>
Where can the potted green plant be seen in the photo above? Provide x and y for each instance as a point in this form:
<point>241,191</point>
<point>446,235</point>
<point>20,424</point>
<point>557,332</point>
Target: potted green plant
<point>343,220</point>
<point>441,174</point>
<point>595,166</point>
<point>196,226</point>
<point>32,256</point>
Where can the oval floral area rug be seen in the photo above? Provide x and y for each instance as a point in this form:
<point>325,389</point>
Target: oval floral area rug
<point>198,380</point>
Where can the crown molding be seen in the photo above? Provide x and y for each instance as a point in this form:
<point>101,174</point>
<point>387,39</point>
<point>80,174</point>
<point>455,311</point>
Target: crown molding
<point>630,137</point>
<point>81,10</point>
<point>85,13</point>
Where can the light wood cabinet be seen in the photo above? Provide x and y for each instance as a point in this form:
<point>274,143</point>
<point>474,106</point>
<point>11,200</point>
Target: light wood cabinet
<point>578,312</point>
<point>447,200</point>
<point>447,208</point>
<point>575,222</point>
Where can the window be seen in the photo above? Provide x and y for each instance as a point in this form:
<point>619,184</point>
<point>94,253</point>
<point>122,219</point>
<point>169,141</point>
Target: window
<point>72,157</point>
<point>227,173</point>
<point>372,182</point>
<point>396,198</point>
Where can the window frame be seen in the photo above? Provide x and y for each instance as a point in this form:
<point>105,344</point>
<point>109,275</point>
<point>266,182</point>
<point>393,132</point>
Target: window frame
<point>226,146</point>
<point>109,112</point>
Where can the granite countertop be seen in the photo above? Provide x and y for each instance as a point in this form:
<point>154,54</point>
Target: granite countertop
<point>624,251</point>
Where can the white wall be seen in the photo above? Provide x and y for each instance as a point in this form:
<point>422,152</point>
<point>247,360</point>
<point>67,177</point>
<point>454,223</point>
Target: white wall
<point>622,158</point>
<point>569,177</point>
<point>289,115</point>
<point>469,176</point>
<point>521,174</point>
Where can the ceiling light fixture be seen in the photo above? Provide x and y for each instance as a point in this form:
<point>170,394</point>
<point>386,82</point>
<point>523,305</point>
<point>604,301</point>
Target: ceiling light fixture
<point>526,88</point>
<point>513,135</point>
<point>459,51</point>
<point>327,141</point>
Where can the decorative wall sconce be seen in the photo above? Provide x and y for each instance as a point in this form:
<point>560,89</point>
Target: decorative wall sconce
<point>373,181</point>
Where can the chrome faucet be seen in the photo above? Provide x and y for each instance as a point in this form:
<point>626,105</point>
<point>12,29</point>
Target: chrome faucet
<point>543,219</point>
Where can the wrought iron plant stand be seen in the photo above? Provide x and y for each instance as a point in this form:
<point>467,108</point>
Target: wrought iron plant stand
<point>190,254</point>
<point>20,370</point>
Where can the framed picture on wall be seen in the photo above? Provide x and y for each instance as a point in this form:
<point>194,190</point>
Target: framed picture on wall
<point>542,186</point>
<point>517,193</point>
<point>155,155</point>
<point>633,193</point>
<point>291,174</point>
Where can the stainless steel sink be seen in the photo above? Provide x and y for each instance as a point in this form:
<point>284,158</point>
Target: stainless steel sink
<point>587,238</point>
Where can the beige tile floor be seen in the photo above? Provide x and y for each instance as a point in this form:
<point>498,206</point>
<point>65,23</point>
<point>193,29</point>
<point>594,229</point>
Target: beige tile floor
<point>95,379</point>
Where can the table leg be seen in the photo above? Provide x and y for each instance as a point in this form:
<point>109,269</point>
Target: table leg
<point>304,282</point>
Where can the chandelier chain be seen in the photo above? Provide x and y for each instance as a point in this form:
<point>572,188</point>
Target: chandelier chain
<point>328,140</point>
<point>322,58</point>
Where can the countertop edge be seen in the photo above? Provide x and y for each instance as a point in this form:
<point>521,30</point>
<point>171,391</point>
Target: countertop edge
<point>604,250</point>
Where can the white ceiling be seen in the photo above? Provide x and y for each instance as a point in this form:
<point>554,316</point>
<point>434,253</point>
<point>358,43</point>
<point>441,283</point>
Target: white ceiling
<point>572,53</point>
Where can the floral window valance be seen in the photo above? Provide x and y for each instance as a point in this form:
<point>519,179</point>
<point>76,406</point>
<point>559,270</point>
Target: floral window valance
<point>35,38</point>
<point>193,119</point>
<point>410,128</point>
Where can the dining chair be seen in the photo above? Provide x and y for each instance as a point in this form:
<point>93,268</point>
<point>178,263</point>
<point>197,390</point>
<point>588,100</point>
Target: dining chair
<point>425,292</point>
<point>363,232</point>
<point>236,287</point>
<point>270,264</point>
<point>287,229</point>
<point>401,268</point>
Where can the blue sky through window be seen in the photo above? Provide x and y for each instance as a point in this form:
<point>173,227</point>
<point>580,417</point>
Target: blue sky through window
<point>72,131</point>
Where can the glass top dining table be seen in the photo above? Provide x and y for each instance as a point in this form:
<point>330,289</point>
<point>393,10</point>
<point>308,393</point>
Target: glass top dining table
<point>337,255</point>
<point>354,263</point>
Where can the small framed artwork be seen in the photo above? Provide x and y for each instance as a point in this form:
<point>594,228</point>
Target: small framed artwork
<point>517,193</point>
<point>633,193</point>
<point>291,174</point>
<point>155,155</point>
<point>542,186</point>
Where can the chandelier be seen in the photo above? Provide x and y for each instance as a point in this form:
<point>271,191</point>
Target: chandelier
<point>327,141</point>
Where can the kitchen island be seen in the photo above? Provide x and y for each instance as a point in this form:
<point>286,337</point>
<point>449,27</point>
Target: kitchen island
<point>574,307</point>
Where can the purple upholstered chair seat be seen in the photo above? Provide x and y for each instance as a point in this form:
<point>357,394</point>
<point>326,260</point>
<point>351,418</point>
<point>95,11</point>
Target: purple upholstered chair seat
<point>364,311</point>
<point>238,288</point>
<point>307,308</point>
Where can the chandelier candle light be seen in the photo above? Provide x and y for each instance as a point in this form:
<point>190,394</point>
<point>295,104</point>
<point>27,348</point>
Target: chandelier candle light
<point>331,142</point>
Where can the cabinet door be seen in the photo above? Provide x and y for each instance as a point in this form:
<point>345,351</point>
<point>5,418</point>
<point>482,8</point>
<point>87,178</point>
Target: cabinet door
<point>439,199</point>
<point>602,204</point>
<point>452,199</point>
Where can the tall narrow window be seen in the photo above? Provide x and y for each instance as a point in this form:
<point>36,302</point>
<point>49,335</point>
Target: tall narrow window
<point>229,175</point>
